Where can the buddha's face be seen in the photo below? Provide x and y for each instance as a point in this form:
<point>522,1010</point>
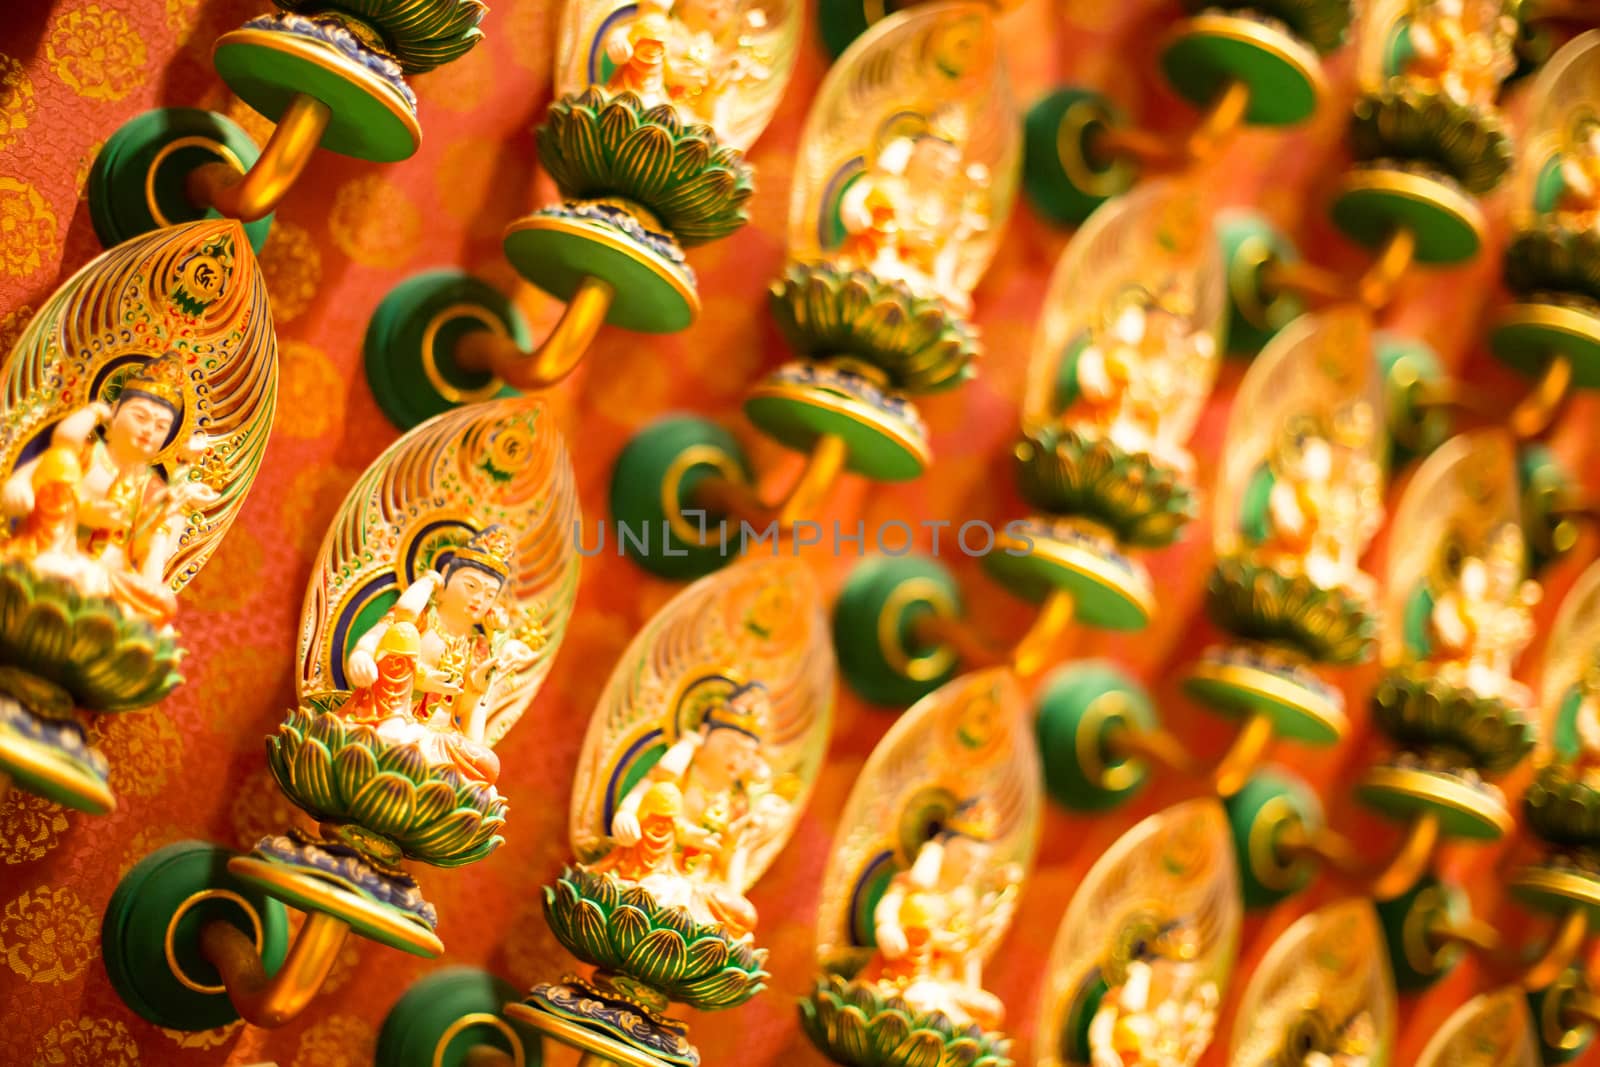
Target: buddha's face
<point>729,755</point>
<point>468,595</point>
<point>139,427</point>
<point>964,856</point>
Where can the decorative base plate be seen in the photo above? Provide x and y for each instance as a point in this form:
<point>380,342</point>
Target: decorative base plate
<point>1208,51</point>
<point>801,402</point>
<point>1081,709</point>
<point>310,890</point>
<point>580,1016</point>
<point>137,181</point>
<point>51,759</point>
<point>1063,179</point>
<point>557,248</point>
<point>1558,888</point>
<point>1250,245</point>
<point>1476,811</point>
<point>411,339</point>
<point>1246,679</point>
<point>1526,336</point>
<point>150,935</point>
<point>1374,201</point>
<point>442,1017</point>
<point>268,68</point>
<point>1108,589</point>
<point>653,484</point>
<point>874,629</point>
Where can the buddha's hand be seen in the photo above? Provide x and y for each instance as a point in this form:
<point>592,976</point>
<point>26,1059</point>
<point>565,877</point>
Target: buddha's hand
<point>17,497</point>
<point>892,941</point>
<point>361,670</point>
<point>187,497</point>
<point>618,48</point>
<point>625,828</point>
<point>515,656</point>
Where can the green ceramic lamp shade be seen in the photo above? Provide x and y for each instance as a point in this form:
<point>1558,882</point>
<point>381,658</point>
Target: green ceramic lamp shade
<point>1256,62</point>
<point>330,73</point>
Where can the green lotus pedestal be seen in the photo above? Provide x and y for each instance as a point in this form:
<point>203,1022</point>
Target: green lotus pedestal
<point>61,652</point>
<point>646,957</point>
<point>1562,808</point>
<point>855,1024</point>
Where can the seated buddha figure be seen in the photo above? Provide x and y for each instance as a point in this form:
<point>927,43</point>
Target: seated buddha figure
<point>1135,371</point>
<point>1578,206</point>
<point>1161,1010</point>
<point>906,217</point>
<point>730,807</point>
<point>462,651</point>
<point>129,515</point>
<point>1463,47</point>
<point>692,54</point>
<point>934,919</point>
<point>1324,500</point>
<point>1482,617</point>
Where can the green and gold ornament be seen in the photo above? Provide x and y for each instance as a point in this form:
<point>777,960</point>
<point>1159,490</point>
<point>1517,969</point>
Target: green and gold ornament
<point>907,171</point>
<point>1121,367</point>
<point>351,56</point>
<point>933,846</point>
<point>1298,498</point>
<point>436,566</point>
<point>1552,266</point>
<point>1323,987</point>
<point>736,671</point>
<point>84,631</point>
<point>656,103</point>
<point>1272,49</point>
<point>1458,613</point>
<point>1147,946</point>
<point>450,1018</point>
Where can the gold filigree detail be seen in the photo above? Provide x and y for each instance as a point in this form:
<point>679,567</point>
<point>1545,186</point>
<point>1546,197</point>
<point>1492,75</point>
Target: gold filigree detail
<point>48,935</point>
<point>337,1041</point>
<point>88,1042</point>
<point>16,101</point>
<point>311,401</point>
<point>27,229</point>
<point>144,749</point>
<point>374,222</point>
<point>97,53</point>
<point>291,265</point>
<point>30,827</point>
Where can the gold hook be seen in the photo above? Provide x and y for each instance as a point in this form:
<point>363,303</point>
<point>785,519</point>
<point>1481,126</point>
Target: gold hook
<point>1154,746</point>
<point>1535,412</point>
<point>264,1000</point>
<point>253,194</point>
<point>489,1056</point>
<point>1149,149</point>
<point>1411,860</point>
<point>1242,756</point>
<point>738,499</point>
<point>1221,119</point>
<point>1558,955</point>
<point>1376,287</point>
<point>1032,652</point>
<point>490,352</point>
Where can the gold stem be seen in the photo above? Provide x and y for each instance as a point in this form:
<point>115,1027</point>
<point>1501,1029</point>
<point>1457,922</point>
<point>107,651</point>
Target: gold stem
<point>1325,846</point>
<point>1411,860</point>
<point>1583,1008</point>
<point>1221,119</point>
<point>1314,284</point>
<point>1143,147</point>
<point>1032,653</point>
<point>1474,933</point>
<point>971,648</point>
<point>254,194</point>
<point>1154,746</point>
<point>1394,259</point>
<point>1562,950</point>
<point>720,495</point>
<point>1535,413</point>
<point>264,1000</point>
<point>1242,756</point>
<point>488,1056</point>
<point>574,332</point>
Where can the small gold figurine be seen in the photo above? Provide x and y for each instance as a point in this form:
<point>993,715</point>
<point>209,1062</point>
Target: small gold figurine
<point>1462,48</point>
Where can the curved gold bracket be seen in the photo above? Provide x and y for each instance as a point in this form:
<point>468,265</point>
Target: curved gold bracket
<point>491,352</point>
<point>1219,123</point>
<point>253,194</point>
<point>1538,411</point>
<point>1410,860</point>
<point>1242,756</point>
<point>273,1000</point>
<point>1027,658</point>
<point>738,499</point>
<point>1376,287</point>
<point>1155,746</point>
<point>1320,287</point>
<point>1564,947</point>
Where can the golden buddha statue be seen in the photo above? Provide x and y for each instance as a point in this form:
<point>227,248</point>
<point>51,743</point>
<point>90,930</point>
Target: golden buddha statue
<point>462,649</point>
<point>729,806</point>
<point>1482,617</point>
<point>933,919</point>
<point>1163,1008</point>
<point>128,512</point>
<point>1462,48</point>
<point>691,54</point>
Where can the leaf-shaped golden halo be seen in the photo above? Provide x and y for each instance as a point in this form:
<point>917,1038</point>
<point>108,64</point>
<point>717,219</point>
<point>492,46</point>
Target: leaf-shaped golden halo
<point>1315,366</point>
<point>1157,237</point>
<point>1330,964</point>
<point>932,64</point>
<point>1490,1030</point>
<point>1177,864</point>
<point>195,289</point>
<point>1467,490</point>
<point>972,737</point>
<point>1573,650</point>
<point>1566,96</point>
<point>760,620</point>
<point>498,463</point>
